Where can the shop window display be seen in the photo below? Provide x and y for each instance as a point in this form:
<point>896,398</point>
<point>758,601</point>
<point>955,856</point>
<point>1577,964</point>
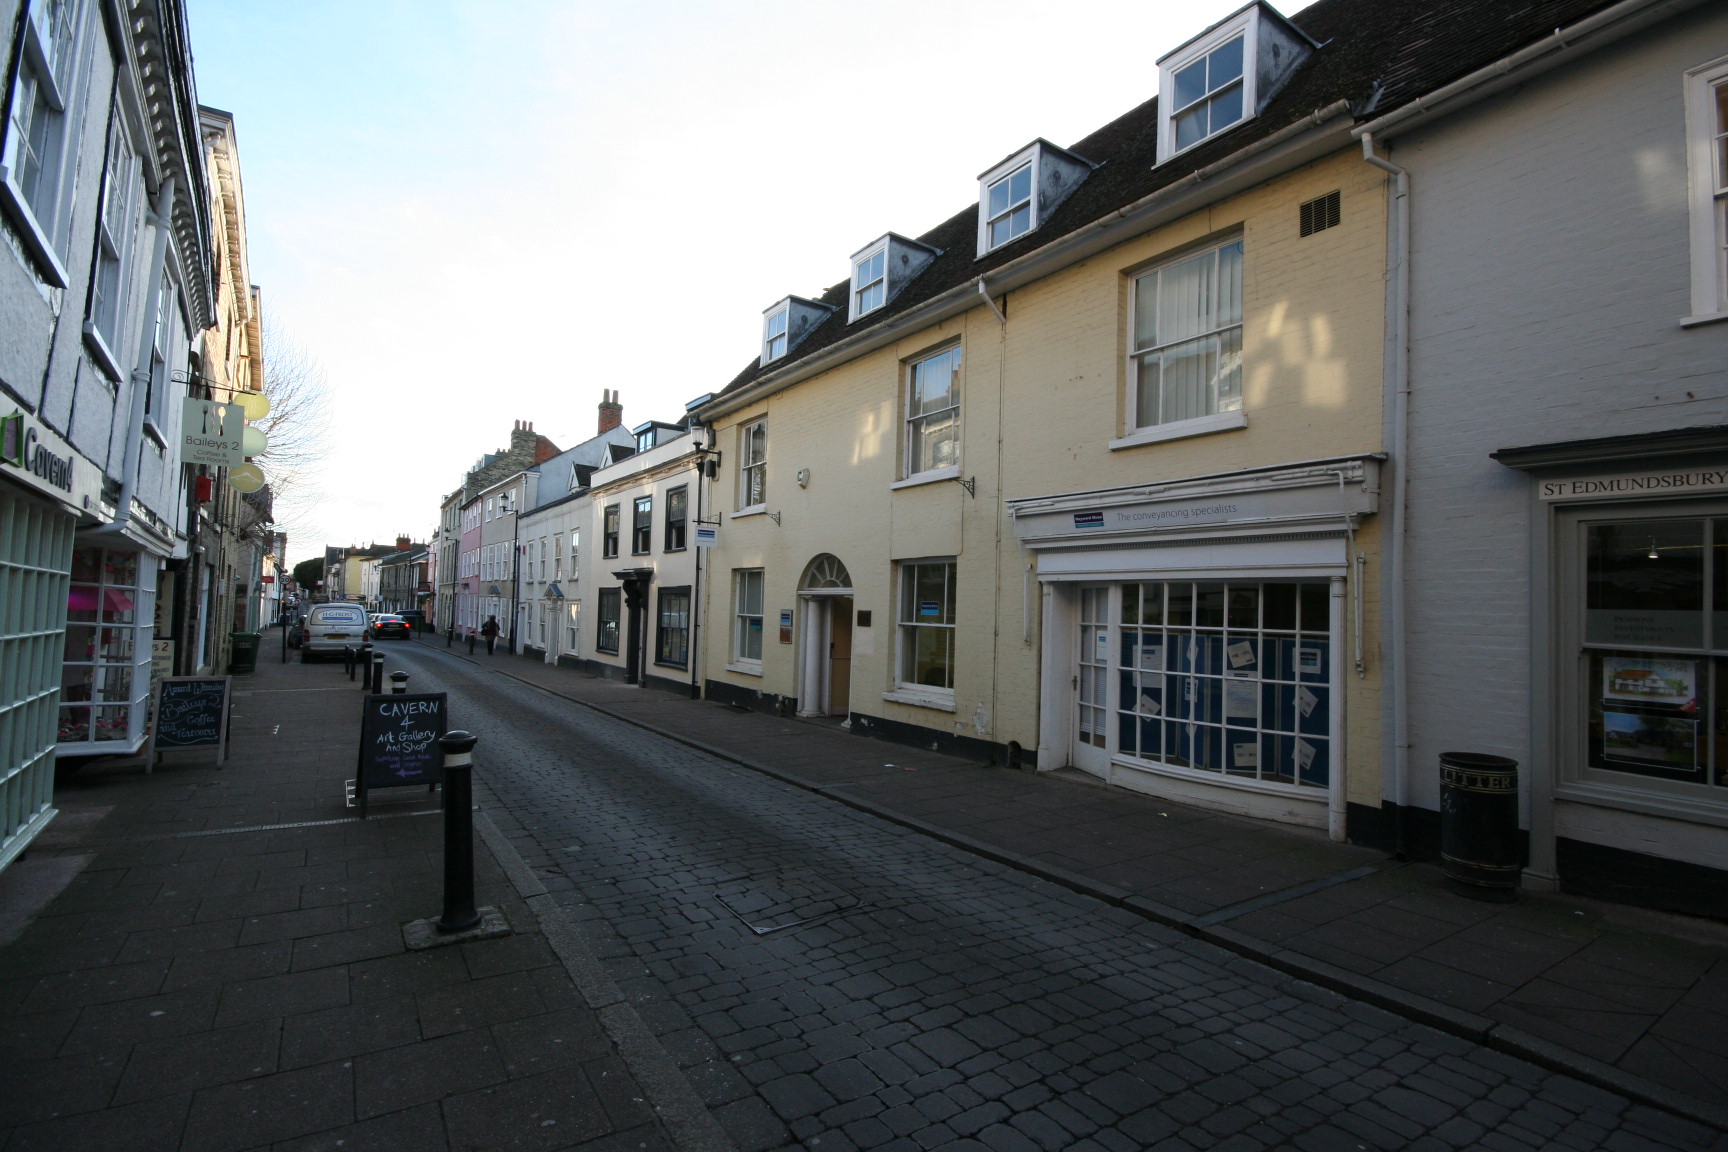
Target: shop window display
<point>1229,678</point>
<point>105,680</point>
<point>1656,650</point>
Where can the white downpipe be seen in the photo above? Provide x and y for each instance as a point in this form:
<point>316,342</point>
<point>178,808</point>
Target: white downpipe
<point>1398,387</point>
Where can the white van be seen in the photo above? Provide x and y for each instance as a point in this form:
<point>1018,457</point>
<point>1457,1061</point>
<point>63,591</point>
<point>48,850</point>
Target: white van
<point>330,628</point>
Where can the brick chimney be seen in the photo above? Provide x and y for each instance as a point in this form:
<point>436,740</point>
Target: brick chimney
<point>404,543</point>
<point>611,412</point>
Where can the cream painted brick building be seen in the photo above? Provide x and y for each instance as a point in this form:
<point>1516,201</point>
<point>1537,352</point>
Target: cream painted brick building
<point>942,524</point>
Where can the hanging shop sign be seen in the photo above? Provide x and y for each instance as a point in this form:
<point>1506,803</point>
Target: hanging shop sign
<point>214,433</point>
<point>1682,482</point>
<point>33,455</point>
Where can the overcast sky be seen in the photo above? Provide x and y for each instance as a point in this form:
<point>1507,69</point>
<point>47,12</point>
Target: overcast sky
<point>476,214</point>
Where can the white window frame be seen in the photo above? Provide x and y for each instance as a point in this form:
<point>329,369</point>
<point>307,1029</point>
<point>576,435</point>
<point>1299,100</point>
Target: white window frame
<point>907,625</point>
<point>752,466</point>
<point>1225,412</point>
<point>1706,159</point>
<point>1026,159</point>
<point>776,332</point>
<point>742,579</point>
<point>48,76</point>
<point>869,294</point>
<point>1245,25</point>
<point>111,273</point>
<point>913,422</point>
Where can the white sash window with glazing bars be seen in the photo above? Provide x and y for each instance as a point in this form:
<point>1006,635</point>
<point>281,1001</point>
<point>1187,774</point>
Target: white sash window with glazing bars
<point>1186,348</point>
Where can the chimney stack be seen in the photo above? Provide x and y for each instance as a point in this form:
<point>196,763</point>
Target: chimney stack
<point>611,412</point>
<point>404,543</point>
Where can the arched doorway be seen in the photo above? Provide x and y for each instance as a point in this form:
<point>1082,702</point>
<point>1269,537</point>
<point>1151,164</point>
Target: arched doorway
<point>825,646</point>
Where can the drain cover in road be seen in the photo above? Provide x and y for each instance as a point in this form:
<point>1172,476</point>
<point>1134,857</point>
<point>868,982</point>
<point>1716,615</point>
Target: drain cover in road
<point>783,900</point>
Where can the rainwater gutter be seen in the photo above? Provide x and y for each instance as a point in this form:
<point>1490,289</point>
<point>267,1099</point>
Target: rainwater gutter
<point>1298,143</point>
<point>1558,47</point>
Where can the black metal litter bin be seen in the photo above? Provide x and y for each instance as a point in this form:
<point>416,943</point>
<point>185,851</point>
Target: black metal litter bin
<point>245,651</point>
<point>1480,851</point>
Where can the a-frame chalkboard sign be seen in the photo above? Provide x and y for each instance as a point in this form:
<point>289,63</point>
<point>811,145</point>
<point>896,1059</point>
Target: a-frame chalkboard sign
<point>399,742</point>
<point>189,712</point>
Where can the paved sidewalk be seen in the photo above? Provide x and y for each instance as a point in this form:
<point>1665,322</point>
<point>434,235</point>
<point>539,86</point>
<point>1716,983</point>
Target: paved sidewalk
<point>1632,1000</point>
<point>221,968</point>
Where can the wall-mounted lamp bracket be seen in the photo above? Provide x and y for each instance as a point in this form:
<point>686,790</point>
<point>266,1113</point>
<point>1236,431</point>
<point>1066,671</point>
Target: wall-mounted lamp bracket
<point>970,483</point>
<point>774,516</point>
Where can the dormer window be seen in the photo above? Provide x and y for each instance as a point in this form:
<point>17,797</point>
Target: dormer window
<point>788,322</point>
<point>882,268</point>
<point>1010,203</point>
<point>1208,94</point>
<point>870,282</point>
<point>1225,75</point>
<point>1019,194</point>
<point>774,335</point>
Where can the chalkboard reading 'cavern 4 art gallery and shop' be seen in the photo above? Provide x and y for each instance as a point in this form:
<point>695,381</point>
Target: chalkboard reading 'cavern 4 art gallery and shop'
<point>190,712</point>
<point>399,742</point>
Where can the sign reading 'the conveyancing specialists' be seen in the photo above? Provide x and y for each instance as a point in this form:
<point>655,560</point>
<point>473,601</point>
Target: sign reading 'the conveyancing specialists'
<point>1678,483</point>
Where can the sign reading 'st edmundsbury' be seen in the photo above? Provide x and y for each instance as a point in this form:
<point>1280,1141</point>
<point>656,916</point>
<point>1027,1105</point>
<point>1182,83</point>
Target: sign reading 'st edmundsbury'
<point>30,453</point>
<point>1678,483</point>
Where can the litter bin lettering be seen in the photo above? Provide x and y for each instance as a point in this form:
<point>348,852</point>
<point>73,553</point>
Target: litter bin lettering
<point>1480,851</point>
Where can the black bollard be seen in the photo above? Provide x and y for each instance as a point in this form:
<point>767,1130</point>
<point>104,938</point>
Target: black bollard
<point>470,643</point>
<point>376,673</point>
<point>398,683</point>
<point>450,636</point>
<point>459,911</point>
<point>348,660</point>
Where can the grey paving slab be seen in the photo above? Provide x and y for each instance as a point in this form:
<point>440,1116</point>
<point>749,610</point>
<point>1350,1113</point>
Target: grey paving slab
<point>200,980</point>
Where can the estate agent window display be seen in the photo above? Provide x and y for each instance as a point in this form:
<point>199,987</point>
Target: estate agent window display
<point>1653,654</point>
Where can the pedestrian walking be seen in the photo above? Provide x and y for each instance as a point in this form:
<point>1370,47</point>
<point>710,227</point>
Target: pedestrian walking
<point>490,631</point>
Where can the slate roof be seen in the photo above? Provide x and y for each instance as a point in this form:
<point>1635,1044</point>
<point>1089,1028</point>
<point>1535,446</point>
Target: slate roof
<point>1376,54</point>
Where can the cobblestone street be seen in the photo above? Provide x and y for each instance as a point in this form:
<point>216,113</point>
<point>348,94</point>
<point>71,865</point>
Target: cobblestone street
<point>828,980</point>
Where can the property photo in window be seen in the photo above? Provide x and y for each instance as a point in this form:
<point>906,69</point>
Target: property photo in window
<point>1227,677</point>
<point>927,624</point>
<point>1186,346</point>
<point>1655,650</point>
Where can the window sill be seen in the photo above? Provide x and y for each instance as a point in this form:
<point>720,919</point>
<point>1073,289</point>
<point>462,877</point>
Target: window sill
<point>154,434</point>
<point>930,477</point>
<point>936,698</point>
<point>670,664</point>
<point>745,669</point>
<point>1182,429</point>
<point>100,351</point>
<point>1703,318</point>
<point>753,510</point>
<point>31,233</point>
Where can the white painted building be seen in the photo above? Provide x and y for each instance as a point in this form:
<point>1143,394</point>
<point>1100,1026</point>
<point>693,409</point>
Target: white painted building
<point>1564,571</point>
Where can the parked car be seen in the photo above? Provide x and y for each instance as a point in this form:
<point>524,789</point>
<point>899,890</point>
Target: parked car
<point>330,628</point>
<point>388,624</point>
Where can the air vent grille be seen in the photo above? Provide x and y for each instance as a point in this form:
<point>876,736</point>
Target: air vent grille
<point>1320,213</point>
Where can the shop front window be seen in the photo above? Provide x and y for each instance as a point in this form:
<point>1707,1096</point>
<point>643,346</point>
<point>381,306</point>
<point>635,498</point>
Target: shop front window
<point>1222,677</point>
<point>105,677</point>
<point>1655,650</point>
